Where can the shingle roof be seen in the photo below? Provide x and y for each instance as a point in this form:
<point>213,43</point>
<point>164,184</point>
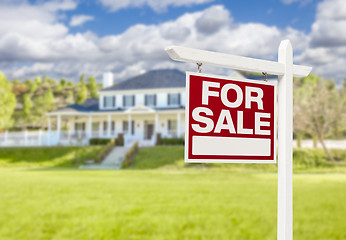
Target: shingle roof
<point>166,78</point>
<point>90,105</point>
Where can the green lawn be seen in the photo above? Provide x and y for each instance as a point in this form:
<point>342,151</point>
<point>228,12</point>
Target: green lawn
<point>160,197</point>
<point>305,160</point>
<point>166,204</point>
<point>47,156</point>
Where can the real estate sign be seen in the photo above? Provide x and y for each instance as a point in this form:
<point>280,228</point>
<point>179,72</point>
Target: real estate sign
<point>230,120</point>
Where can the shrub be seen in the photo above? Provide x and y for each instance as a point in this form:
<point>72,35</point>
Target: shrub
<point>158,139</point>
<point>100,141</point>
<point>172,141</point>
<point>309,158</point>
<point>105,151</point>
<point>120,139</point>
<point>130,155</point>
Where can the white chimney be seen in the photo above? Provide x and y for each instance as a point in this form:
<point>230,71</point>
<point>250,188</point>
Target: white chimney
<point>107,79</point>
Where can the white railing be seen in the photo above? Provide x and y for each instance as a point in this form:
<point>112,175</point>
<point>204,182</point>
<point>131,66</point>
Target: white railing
<point>67,138</point>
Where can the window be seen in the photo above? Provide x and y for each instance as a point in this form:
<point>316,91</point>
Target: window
<point>105,125</point>
<point>172,125</point>
<point>129,100</point>
<point>126,127</point>
<point>109,101</point>
<point>79,126</point>
<point>150,100</point>
<point>173,99</point>
<point>172,128</point>
<point>113,126</point>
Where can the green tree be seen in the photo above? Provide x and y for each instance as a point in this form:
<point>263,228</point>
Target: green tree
<point>63,82</point>
<point>7,103</point>
<point>27,105</point>
<point>315,108</point>
<point>92,87</point>
<point>82,93</point>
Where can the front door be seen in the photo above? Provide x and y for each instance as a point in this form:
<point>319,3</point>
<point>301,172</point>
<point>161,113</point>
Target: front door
<point>148,130</point>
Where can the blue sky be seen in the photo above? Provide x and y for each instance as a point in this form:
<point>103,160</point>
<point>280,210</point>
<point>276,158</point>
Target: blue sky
<point>65,38</point>
<point>270,12</point>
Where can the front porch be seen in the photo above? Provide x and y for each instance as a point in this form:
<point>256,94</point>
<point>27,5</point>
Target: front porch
<point>139,123</point>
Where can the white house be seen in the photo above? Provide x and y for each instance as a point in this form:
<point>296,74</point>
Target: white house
<point>139,108</point>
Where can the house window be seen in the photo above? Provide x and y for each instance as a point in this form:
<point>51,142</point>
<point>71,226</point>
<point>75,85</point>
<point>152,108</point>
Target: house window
<point>150,100</point>
<point>105,125</point>
<point>129,100</point>
<point>113,126</point>
<point>109,101</point>
<point>172,127</point>
<point>79,126</point>
<point>126,127</point>
<point>95,126</point>
<point>173,99</point>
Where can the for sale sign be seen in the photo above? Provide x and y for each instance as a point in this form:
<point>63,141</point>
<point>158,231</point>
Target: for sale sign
<point>230,120</point>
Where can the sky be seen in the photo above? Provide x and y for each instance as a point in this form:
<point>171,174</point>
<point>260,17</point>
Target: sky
<point>66,38</point>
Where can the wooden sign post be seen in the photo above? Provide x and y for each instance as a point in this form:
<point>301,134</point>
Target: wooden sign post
<point>285,70</point>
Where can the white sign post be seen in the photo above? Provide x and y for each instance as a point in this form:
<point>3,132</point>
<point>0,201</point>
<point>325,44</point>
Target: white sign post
<point>285,70</point>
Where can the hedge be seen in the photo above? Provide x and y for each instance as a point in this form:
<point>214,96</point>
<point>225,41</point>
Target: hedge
<point>100,141</point>
<point>171,141</point>
<point>130,155</point>
<point>105,151</point>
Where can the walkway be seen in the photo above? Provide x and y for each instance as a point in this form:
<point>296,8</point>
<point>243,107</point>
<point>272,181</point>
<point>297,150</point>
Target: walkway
<point>113,160</point>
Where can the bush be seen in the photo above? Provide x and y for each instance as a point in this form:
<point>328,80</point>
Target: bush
<point>105,151</point>
<point>100,141</point>
<point>130,156</point>
<point>120,139</point>
<point>309,158</point>
<point>172,141</point>
<point>158,139</point>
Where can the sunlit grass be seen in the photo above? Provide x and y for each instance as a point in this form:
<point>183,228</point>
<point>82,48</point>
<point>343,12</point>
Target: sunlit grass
<point>185,204</point>
<point>47,156</point>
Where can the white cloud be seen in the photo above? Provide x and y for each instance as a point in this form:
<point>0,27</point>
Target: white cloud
<point>327,46</point>
<point>56,52</point>
<point>301,2</point>
<point>79,20</point>
<point>141,47</point>
<point>158,6</point>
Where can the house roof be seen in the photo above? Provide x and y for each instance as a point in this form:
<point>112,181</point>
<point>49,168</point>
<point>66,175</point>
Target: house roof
<point>89,105</point>
<point>165,78</point>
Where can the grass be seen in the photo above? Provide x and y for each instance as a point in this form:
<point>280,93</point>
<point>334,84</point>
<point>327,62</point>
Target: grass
<point>199,204</point>
<point>47,156</point>
<point>172,157</point>
<point>160,197</point>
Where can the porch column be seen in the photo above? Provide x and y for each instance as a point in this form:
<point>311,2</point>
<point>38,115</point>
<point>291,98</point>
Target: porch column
<point>90,126</point>
<point>130,124</point>
<point>58,126</point>
<point>178,125</point>
<point>70,130</point>
<point>157,123</point>
<point>109,125</point>
<point>100,128</point>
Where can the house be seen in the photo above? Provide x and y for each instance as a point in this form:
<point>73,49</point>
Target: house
<point>138,108</point>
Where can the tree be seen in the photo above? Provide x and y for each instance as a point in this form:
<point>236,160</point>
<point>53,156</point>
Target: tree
<point>7,103</point>
<point>315,108</point>
<point>82,93</point>
<point>92,87</point>
<point>27,105</point>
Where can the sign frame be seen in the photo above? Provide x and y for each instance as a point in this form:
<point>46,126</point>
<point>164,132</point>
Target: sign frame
<point>231,160</point>
<point>285,70</point>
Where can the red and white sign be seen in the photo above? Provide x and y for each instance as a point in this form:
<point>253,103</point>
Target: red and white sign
<point>230,120</point>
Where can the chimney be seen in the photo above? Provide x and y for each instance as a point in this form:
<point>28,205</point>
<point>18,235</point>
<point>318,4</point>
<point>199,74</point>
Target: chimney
<point>107,79</point>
